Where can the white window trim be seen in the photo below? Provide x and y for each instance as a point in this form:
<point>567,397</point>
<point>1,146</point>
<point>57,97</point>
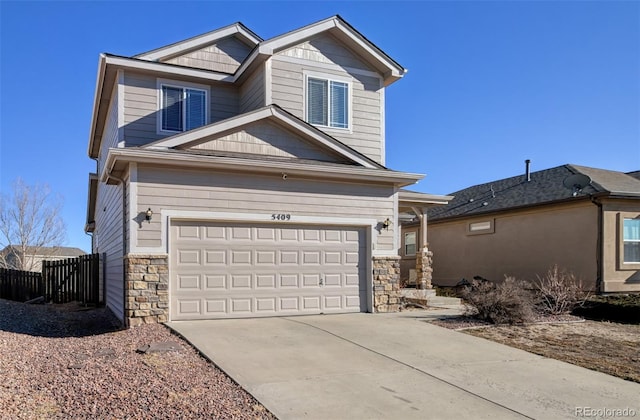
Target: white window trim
<point>622,265</point>
<point>335,78</point>
<point>404,244</point>
<point>180,85</point>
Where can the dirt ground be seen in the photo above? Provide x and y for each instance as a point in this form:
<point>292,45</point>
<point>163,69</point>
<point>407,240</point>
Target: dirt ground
<point>606,347</point>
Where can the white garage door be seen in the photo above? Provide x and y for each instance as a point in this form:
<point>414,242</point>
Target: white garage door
<point>222,270</point>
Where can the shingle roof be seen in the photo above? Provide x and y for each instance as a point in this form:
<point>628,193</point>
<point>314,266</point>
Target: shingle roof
<point>51,251</point>
<point>545,186</point>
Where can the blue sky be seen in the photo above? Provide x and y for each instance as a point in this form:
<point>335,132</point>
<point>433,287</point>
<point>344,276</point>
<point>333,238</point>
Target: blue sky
<point>490,83</point>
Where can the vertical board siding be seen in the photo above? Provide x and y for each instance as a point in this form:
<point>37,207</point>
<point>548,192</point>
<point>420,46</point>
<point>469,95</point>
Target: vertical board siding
<point>325,56</point>
<point>190,190</point>
<point>225,55</point>
<point>252,94</point>
<point>141,107</point>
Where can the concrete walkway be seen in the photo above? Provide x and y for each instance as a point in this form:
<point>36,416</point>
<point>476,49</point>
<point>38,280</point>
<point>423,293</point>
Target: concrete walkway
<point>396,366</point>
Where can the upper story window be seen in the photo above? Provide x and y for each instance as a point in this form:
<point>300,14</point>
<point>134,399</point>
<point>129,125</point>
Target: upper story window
<point>410,243</point>
<point>182,108</point>
<point>328,102</point>
<point>631,240</point>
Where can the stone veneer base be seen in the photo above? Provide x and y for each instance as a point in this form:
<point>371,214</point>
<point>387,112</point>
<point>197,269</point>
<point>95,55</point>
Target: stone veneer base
<point>386,284</point>
<point>146,289</point>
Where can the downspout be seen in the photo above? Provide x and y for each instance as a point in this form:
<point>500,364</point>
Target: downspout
<point>599,246</point>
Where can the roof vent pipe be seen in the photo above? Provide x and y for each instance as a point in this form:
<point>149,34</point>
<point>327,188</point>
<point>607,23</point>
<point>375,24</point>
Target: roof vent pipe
<point>528,169</point>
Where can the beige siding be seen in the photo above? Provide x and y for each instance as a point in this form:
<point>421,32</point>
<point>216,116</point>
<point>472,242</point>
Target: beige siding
<point>167,189</point>
<point>252,94</point>
<point>266,138</point>
<point>141,107</point>
<point>108,241</point>
<point>324,48</point>
<point>225,56</point>
<point>618,277</point>
<point>525,244</point>
<point>325,56</point>
<point>110,133</point>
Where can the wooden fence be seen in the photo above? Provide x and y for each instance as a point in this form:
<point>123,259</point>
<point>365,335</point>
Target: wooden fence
<point>20,285</point>
<point>69,280</point>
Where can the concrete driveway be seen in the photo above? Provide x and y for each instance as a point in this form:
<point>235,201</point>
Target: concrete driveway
<point>397,366</point>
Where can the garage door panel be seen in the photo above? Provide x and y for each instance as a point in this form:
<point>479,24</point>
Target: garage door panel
<point>222,270</point>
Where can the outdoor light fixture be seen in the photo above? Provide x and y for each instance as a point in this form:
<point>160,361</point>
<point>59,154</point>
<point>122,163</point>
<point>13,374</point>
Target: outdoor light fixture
<point>386,224</point>
<point>148,215</point>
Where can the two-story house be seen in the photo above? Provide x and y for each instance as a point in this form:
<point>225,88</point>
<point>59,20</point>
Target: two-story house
<point>243,177</point>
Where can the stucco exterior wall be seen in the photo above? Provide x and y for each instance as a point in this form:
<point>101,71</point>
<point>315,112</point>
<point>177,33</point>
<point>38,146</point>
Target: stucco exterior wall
<point>523,244</point>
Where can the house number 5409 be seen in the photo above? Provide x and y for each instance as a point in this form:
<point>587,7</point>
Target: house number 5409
<point>280,217</point>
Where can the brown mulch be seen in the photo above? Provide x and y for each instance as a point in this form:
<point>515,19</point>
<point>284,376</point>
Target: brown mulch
<point>65,361</point>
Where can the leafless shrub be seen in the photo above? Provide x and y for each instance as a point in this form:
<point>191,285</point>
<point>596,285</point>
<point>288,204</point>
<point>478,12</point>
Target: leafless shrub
<point>559,291</point>
<point>509,302</point>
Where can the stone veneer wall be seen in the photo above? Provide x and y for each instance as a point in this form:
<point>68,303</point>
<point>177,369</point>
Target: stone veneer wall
<point>146,289</point>
<point>424,270</point>
<point>386,284</point>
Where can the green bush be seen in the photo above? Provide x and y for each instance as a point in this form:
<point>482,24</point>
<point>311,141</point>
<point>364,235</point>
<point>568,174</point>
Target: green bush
<point>509,302</point>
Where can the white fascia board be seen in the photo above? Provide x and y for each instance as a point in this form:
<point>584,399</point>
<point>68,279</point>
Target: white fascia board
<point>168,69</point>
<point>199,42</point>
<point>282,41</point>
<point>186,139</point>
<point>96,102</point>
<point>351,173</point>
<point>396,70</point>
<point>413,198</point>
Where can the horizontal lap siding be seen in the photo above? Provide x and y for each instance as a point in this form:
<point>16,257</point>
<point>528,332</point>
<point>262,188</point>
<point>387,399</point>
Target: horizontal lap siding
<point>141,107</point>
<point>288,92</point>
<point>108,240</point>
<point>167,189</point>
<point>252,92</point>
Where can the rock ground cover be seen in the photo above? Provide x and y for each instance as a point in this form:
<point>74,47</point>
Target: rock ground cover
<point>62,361</point>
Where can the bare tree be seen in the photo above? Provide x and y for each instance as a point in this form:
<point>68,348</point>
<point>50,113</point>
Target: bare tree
<point>30,224</point>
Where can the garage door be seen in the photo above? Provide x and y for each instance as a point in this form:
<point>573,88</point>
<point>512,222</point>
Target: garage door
<point>221,270</point>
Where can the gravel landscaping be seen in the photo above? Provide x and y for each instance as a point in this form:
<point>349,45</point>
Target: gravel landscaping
<point>65,361</point>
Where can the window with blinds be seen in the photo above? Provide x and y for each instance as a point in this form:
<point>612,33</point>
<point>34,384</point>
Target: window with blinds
<point>327,103</point>
<point>631,240</point>
<point>182,108</point>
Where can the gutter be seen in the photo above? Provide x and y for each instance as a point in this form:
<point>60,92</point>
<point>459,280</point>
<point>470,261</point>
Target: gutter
<point>351,173</point>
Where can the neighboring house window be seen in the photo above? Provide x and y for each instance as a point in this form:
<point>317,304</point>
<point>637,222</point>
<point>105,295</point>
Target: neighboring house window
<point>182,108</point>
<point>327,102</point>
<point>410,243</point>
<point>631,240</point>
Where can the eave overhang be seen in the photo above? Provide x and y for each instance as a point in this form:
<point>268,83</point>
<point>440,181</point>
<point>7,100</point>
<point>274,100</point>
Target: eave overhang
<point>118,161</point>
<point>410,199</point>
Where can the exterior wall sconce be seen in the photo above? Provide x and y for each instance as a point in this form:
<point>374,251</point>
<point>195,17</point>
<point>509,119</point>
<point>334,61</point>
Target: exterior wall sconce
<point>148,215</point>
<point>386,224</point>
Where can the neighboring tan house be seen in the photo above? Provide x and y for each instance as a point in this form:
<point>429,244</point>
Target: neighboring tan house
<point>241,177</point>
<point>585,220</point>
<point>30,258</point>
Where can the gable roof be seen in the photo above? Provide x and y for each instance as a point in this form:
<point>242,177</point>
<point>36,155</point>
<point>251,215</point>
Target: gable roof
<point>236,29</point>
<point>48,251</point>
<point>545,186</point>
<point>273,113</point>
<point>108,64</point>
